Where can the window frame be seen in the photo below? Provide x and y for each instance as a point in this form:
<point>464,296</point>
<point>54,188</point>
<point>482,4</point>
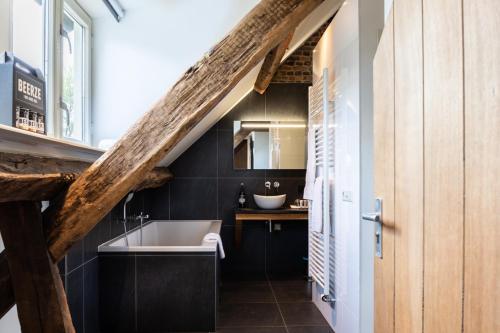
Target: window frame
<point>55,12</point>
<point>82,18</point>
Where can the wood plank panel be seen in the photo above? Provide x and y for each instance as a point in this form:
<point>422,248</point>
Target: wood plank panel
<point>383,86</point>
<point>38,290</point>
<point>482,166</point>
<point>409,165</point>
<point>444,171</point>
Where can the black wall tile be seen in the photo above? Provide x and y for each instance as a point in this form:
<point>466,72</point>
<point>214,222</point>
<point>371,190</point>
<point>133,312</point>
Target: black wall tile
<point>250,108</point>
<point>229,189</point>
<point>157,203</point>
<point>74,258</point>
<point>193,198</point>
<point>91,300</point>
<point>117,293</point>
<point>200,160</point>
<point>292,187</point>
<point>74,294</point>
<point>287,102</point>
<point>286,173</point>
<point>98,235</point>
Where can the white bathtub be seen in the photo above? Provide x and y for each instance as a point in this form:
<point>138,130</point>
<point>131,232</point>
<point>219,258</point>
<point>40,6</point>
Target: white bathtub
<point>167,236</point>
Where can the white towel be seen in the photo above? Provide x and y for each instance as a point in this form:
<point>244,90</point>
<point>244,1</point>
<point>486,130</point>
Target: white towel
<point>311,165</point>
<point>317,206</point>
<point>213,237</point>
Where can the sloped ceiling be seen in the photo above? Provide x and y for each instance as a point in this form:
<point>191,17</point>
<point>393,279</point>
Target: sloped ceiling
<point>303,31</point>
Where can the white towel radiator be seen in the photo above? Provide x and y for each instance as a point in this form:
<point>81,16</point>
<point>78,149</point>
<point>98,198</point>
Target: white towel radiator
<point>321,244</point>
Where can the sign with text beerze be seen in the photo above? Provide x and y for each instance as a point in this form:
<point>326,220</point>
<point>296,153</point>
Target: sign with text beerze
<point>22,95</point>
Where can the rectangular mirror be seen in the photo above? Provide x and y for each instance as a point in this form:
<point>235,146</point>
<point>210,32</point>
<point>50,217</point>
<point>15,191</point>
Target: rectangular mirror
<point>269,145</point>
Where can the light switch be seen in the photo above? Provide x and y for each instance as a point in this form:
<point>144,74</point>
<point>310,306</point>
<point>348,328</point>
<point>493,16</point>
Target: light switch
<point>347,196</point>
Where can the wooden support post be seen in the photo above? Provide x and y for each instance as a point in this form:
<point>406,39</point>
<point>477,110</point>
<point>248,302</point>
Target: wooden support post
<point>6,293</point>
<point>38,289</point>
<point>271,64</point>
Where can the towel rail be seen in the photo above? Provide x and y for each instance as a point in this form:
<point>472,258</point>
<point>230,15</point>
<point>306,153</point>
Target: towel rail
<point>321,248</point>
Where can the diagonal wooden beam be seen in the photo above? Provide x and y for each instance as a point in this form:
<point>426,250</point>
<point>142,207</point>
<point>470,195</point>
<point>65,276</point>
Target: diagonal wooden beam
<point>36,178</point>
<point>201,88</point>
<point>271,64</point>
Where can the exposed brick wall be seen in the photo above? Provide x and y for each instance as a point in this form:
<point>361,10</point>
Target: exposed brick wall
<point>297,68</point>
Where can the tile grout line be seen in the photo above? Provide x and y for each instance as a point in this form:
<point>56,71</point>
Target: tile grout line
<point>277,304</point>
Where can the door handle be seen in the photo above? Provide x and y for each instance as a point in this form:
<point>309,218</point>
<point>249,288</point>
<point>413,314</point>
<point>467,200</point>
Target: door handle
<point>377,218</point>
<point>373,217</point>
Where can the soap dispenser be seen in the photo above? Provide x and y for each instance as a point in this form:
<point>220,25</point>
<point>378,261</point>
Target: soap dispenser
<point>242,199</point>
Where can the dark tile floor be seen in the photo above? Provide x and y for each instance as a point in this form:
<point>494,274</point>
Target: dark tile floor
<point>268,305</point>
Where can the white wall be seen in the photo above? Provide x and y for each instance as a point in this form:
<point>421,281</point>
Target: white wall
<point>347,50</point>
<point>134,61</point>
<point>5,26</point>
<point>387,7</point>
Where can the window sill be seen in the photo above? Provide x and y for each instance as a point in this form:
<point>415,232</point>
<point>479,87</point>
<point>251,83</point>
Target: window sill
<point>14,140</point>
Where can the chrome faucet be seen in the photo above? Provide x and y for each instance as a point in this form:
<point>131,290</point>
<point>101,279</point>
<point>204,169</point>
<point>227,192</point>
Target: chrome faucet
<point>142,217</point>
<point>276,185</point>
<point>127,200</point>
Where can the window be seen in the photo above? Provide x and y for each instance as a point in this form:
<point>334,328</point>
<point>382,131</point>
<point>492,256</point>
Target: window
<point>75,73</point>
<point>55,36</point>
<point>28,31</point>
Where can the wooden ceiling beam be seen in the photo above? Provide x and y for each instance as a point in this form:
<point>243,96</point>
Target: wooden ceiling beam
<point>271,64</point>
<point>36,178</point>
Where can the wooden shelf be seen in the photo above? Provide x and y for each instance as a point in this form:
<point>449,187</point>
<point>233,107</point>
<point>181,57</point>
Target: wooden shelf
<point>14,140</point>
<point>258,215</point>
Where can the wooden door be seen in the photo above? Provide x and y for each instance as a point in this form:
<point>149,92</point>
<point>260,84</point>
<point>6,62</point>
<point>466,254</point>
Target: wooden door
<point>437,167</point>
<point>383,85</point>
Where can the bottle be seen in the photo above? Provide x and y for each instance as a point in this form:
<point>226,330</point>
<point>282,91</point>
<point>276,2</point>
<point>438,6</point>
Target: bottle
<point>23,118</point>
<point>242,200</point>
<point>41,124</point>
<point>18,116</point>
<point>32,121</point>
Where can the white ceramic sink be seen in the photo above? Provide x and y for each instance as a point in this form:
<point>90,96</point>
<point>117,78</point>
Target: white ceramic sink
<point>269,201</point>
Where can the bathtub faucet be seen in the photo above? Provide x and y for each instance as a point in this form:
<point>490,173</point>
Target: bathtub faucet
<point>142,217</point>
<point>127,200</point>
